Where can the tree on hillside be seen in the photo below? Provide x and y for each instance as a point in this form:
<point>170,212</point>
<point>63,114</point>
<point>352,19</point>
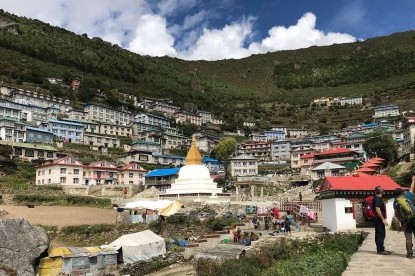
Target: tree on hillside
<point>381,144</point>
<point>223,151</point>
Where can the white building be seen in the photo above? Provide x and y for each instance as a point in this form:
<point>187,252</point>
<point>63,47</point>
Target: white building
<point>243,165</point>
<point>69,171</point>
<point>341,198</point>
<point>34,98</point>
<point>107,115</point>
<point>351,101</point>
<point>12,130</point>
<point>153,120</point>
<point>184,116</point>
<point>205,115</point>
<point>386,111</point>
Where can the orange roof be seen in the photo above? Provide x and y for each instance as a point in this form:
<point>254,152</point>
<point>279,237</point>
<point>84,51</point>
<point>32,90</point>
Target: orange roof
<point>370,165</point>
<point>359,182</point>
<point>307,156</point>
<point>366,170</point>
<point>334,151</point>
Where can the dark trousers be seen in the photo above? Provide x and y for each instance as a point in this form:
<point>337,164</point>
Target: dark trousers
<point>380,234</point>
<point>409,228</point>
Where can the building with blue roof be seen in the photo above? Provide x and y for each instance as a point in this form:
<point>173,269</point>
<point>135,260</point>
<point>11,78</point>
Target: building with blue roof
<point>161,179</point>
<point>38,135</point>
<point>212,164</point>
<point>65,130</point>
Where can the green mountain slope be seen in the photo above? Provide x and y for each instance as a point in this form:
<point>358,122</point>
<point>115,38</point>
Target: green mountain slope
<point>273,88</point>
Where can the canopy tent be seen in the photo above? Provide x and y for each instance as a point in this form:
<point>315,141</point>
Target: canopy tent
<point>140,246</point>
<point>164,207</point>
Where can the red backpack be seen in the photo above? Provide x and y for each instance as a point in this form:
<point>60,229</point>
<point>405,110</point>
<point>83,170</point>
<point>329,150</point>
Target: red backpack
<point>368,210</point>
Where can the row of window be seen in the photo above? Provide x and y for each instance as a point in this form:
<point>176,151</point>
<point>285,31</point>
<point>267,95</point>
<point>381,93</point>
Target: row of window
<point>245,172</point>
<point>31,153</point>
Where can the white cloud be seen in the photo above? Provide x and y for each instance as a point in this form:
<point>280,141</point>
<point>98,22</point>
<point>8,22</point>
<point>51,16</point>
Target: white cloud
<point>151,37</point>
<point>220,44</point>
<point>303,34</point>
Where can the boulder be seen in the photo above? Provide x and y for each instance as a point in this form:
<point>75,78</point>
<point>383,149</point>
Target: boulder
<point>21,246</point>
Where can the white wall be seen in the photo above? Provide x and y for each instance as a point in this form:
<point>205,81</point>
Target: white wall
<point>334,216</point>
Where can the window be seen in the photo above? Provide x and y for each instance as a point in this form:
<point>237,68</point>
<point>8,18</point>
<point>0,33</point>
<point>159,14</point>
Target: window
<point>43,172</point>
<point>50,171</point>
<point>38,182</point>
<point>63,170</point>
<point>38,173</point>
<point>29,153</point>
<point>41,153</point>
<point>49,154</point>
<point>76,181</point>
<point>63,180</point>
<point>49,181</point>
<point>131,175</point>
<point>130,182</point>
<point>43,181</point>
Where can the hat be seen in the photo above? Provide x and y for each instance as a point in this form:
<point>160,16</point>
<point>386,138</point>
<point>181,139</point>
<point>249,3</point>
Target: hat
<point>398,191</point>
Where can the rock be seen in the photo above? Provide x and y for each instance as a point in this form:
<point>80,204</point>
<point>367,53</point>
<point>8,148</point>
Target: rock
<point>21,246</point>
<point>3,212</point>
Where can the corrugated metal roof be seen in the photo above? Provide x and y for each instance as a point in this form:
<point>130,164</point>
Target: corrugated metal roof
<point>163,172</point>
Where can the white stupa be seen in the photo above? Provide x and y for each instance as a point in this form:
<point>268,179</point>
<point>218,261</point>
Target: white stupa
<point>194,179</point>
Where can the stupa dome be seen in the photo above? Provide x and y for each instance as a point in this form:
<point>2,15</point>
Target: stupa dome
<point>194,172</point>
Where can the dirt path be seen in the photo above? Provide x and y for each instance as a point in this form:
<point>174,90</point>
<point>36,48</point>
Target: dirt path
<point>60,215</point>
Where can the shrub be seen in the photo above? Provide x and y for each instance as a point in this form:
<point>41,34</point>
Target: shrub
<point>208,267</point>
<point>179,219</point>
<point>62,200</point>
<point>87,229</point>
<point>217,224</point>
<point>322,263</point>
<point>244,266</point>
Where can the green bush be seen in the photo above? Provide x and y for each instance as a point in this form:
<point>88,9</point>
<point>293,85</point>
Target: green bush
<point>179,219</point>
<point>87,229</point>
<point>321,263</point>
<point>244,266</point>
<point>217,224</point>
<point>208,267</point>
<point>65,200</point>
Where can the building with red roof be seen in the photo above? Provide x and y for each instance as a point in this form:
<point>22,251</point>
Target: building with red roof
<point>342,198</point>
<point>338,156</point>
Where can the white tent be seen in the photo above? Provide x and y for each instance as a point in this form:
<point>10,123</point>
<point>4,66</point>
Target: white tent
<point>140,246</point>
<point>165,207</point>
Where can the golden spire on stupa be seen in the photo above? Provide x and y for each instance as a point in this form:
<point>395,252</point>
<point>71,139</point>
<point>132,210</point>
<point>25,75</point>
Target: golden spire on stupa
<point>193,155</point>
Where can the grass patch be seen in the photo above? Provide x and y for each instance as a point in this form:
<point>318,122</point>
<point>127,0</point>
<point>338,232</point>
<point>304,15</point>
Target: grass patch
<point>322,255</point>
<point>19,176</point>
<point>62,200</point>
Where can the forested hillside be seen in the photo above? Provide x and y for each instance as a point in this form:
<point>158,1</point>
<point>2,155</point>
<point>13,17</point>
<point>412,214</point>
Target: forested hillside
<point>273,88</point>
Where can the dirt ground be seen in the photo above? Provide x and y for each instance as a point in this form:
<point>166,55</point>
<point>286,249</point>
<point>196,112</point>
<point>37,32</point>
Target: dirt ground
<point>60,215</point>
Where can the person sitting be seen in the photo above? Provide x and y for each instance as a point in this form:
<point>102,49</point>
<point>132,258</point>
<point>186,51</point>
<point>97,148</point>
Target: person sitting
<point>253,236</point>
<point>242,254</point>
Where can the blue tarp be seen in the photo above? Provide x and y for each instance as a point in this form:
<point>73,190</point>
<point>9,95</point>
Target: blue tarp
<point>163,172</point>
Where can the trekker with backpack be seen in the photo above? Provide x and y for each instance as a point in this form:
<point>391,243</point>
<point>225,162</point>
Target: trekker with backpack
<point>405,212</point>
<point>380,222</point>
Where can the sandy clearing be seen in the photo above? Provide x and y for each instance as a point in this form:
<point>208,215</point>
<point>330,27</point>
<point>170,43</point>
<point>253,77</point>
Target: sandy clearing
<point>60,215</point>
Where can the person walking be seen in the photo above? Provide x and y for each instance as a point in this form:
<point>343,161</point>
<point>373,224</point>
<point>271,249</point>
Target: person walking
<point>405,213</point>
<point>380,222</point>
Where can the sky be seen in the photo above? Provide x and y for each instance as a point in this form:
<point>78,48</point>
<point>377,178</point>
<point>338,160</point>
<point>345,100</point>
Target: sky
<point>221,29</point>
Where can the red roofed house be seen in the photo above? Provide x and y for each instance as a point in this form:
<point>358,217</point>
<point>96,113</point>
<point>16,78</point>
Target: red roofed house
<point>341,198</point>
<point>338,156</point>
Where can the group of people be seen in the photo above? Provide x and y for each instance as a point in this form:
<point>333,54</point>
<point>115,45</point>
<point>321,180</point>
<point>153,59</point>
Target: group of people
<point>244,238</point>
<point>279,225</point>
<point>404,212</point>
